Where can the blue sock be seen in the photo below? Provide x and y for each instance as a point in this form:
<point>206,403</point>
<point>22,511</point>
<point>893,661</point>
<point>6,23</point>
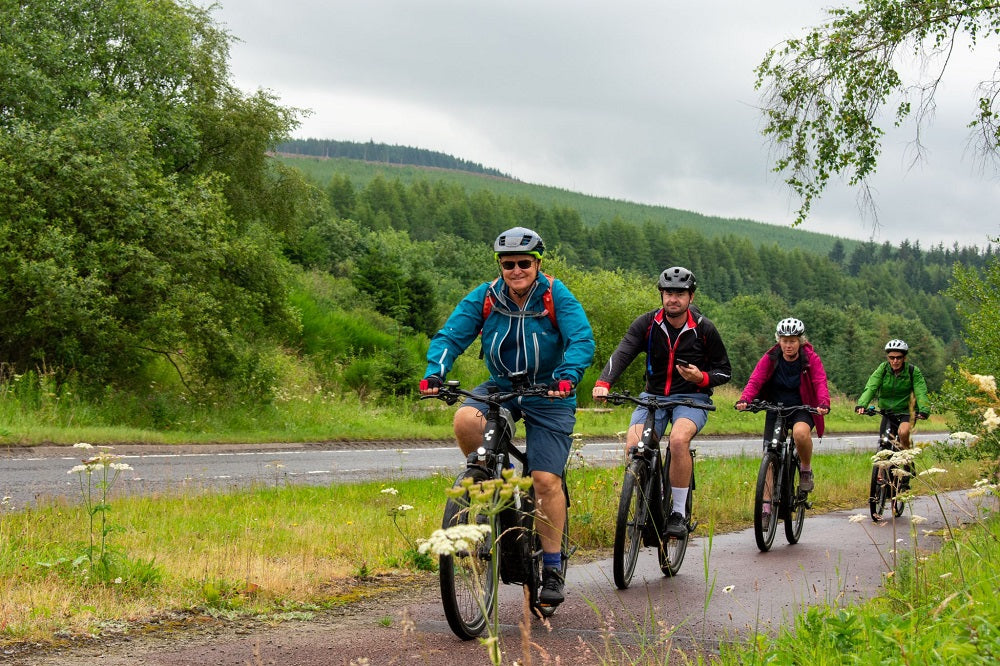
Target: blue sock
<point>552,559</point>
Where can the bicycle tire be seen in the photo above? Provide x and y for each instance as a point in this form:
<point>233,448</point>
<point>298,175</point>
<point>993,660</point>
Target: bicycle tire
<point>795,517</point>
<point>767,481</point>
<point>899,505</point>
<point>633,511</point>
<point>468,579</point>
<point>671,550</point>
<point>877,495</point>
<point>538,565</point>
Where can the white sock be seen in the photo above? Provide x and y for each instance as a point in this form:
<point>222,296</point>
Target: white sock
<point>680,496</point>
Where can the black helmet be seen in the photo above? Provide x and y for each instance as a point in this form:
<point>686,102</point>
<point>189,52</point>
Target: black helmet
<point>677,277</point>
<point>519,241</point>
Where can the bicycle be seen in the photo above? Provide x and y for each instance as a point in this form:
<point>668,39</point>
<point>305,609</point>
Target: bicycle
<point>468,578</point>
<point>645,500</point>
<point>885,486</point>
<point>777,495</point>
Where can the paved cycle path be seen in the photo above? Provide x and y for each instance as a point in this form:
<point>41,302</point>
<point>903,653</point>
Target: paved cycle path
<point>726,590</point>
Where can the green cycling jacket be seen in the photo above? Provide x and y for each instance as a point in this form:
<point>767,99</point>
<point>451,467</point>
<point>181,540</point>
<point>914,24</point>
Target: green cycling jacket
<point>893,391</point>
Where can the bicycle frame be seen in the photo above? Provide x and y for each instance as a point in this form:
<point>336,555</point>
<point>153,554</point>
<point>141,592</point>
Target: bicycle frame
<point>776,496</point>
<point>514,543</point>
<point>885,488</point>
<point>645,499</point>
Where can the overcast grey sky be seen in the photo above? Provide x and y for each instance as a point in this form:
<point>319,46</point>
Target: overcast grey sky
<point>650,101</point>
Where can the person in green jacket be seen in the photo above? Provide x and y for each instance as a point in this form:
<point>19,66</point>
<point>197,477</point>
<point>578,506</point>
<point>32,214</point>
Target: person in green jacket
<point>892,382</point>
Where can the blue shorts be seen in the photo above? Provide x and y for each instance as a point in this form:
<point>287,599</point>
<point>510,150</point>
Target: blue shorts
<point>697,416</point>
<point>548,424</point>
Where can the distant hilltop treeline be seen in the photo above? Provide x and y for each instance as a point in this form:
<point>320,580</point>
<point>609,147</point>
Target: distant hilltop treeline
<point>384,153</point>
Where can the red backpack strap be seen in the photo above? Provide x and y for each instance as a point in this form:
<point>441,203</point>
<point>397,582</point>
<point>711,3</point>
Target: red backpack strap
<point>488,303</point>
<point>550,306</point>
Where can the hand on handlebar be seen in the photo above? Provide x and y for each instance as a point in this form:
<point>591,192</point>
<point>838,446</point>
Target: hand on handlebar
<point>430,385</point>
<point>600,392</point>
<point>860,410</point>
<point>923,415</point>
<point>741,405</point>
<point>561,388</point>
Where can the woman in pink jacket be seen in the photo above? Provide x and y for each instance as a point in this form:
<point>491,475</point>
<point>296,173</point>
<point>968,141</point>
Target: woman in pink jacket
<point>792,373</point>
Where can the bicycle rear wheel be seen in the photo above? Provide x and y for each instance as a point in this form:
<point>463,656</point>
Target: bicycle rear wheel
<point>765,505</point>
<point>672,550</point>
<point>468,579</point>
<point>878,494</point>
<point>796,516</point>
<point>633,512</point>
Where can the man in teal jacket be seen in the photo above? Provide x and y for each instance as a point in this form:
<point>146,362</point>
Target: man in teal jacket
<point>530,323</point>
<point>892,382</point>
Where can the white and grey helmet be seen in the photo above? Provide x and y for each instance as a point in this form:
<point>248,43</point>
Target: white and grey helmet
<point>897,345</point>
<point>789,326</point>
<point>519,240</point>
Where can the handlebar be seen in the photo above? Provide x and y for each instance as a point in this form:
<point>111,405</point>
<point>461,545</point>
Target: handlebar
<point>657,402</point>
<point>871,411</point>
<point>765,406</point>
<point>451,393</point>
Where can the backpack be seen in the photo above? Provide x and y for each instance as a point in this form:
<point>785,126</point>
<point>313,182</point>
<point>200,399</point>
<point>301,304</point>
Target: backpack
<point>550,308</point>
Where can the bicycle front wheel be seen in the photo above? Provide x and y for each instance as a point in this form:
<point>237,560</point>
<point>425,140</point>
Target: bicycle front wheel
<point>796,516</point>
<point>765,505</point>
<point>468,578</point>
<point>633,512</point>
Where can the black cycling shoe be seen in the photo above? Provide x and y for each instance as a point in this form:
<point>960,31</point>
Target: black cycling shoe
<point>677,526</point>
<point>551,593</point>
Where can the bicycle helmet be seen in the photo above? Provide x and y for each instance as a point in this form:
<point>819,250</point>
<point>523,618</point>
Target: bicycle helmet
<point>897,345</point>
<point>789,326</point>
<point>677,277</point>
<point>519,240</point>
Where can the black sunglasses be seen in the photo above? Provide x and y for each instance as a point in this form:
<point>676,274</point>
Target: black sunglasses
<point>523,264</point>
<point>896,357</point>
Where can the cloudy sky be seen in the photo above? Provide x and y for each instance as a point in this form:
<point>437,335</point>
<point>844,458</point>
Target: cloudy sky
<point>650,101</point>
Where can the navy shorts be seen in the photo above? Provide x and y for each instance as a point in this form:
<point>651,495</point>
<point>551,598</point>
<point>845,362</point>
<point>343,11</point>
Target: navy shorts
<point>548,424</point>
<point>697,416</point>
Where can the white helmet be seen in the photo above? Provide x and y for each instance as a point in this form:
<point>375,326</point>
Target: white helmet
<point>789,326</point>
<point>897,345</point>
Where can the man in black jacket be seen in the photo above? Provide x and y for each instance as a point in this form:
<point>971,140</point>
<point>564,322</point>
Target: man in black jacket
<point>685,357</point>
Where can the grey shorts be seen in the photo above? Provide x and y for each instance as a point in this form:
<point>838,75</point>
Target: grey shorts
<point>663,416</point>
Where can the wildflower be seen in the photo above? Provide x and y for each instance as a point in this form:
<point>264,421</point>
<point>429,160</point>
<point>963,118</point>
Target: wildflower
<point>945,575</point>
<point>962,437</point>
<point>728,588</point>
<point>932,470</point>
<point>991,420</point>
<point>451,540</point>
<point>403,508</point>
<point>986,382</point>
<point>916,520</point>
<point>389,491</point>
<point>118,581</point>
<point>80,468</point>
<point>858,517</point>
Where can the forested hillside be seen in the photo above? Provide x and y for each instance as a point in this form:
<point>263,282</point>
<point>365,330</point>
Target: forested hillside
<point>155,256</point>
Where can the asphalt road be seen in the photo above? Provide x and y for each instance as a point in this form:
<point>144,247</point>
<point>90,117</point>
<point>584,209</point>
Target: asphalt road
<point>30,474</point>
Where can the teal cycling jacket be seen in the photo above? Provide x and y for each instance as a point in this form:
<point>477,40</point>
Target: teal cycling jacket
<point>516,340</point>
